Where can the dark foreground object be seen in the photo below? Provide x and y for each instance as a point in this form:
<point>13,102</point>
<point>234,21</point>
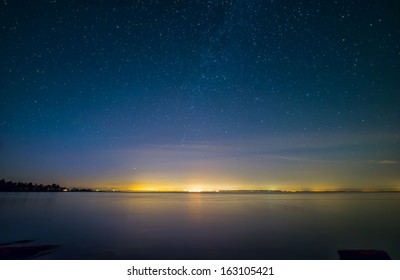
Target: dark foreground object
<point>12,252</point>
<point>363,255</point>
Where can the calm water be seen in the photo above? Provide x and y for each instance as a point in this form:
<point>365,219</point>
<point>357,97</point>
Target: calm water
<point>202,226</point>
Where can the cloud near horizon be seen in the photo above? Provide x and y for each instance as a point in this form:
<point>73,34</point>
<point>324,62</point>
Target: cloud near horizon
<point>292,161</point>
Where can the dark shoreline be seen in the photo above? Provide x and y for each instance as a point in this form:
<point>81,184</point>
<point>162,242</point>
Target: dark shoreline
<point>9,186</point>
<point>206,192</point>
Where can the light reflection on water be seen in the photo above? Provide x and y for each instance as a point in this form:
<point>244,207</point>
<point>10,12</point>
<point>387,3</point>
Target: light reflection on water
<point>202,226</point>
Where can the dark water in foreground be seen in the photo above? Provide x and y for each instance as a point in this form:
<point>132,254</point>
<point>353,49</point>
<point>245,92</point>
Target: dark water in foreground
<point>202,226</point>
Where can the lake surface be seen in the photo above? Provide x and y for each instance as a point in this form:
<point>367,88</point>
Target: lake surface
<point>202,226</point>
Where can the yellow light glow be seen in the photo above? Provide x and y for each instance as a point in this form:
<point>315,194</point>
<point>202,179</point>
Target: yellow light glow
<point>203,184</point>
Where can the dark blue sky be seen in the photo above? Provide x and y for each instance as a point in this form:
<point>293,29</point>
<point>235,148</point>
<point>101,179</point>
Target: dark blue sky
<point>201,94</point>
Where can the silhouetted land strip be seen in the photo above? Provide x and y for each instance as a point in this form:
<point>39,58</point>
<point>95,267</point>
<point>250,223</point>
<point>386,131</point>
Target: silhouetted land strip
<point>363,255</point>
<point>9,186</point>
<point>8,251</point>
<point>30,187</point>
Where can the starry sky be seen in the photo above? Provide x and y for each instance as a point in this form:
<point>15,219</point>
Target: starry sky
<point>201,95</point>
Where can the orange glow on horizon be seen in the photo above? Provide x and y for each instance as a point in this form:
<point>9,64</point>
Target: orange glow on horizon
<point>197,188</point>
<point>208,186</point>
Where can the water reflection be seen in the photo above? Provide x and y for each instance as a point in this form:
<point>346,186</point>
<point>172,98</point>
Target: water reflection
<point>202,226</point>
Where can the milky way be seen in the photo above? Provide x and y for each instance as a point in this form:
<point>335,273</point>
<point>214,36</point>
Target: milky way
<point>201,94</point>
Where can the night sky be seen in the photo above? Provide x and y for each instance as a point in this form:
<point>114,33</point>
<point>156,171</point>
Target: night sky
<point>201,95</point>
